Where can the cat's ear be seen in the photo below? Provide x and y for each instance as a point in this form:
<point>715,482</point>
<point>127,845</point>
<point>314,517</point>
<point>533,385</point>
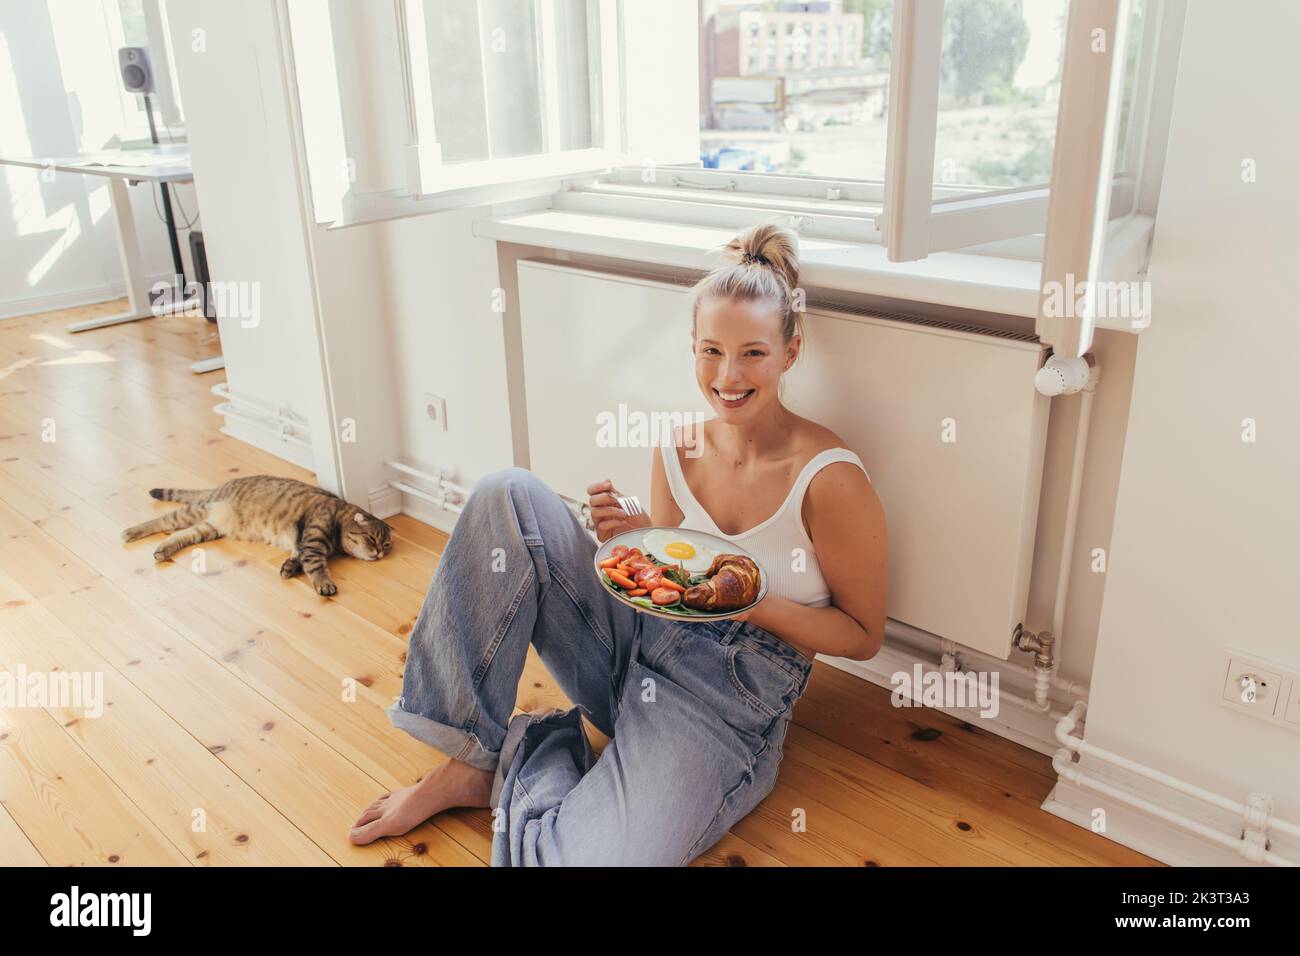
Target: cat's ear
<point>360,519</point>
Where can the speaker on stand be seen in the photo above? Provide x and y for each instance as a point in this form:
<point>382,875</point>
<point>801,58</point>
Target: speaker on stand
<point>137,77</point>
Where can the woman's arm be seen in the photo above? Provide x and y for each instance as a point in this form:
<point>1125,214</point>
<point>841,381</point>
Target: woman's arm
<point>847,525</point>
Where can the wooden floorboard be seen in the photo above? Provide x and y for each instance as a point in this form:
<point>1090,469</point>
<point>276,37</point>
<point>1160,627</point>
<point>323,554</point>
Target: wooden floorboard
<point>253,703</point>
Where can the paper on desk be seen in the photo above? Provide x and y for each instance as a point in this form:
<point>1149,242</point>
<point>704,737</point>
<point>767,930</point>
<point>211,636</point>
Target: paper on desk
<point>128,160</point>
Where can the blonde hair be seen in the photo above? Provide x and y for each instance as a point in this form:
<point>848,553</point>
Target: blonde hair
<point>763,263</point>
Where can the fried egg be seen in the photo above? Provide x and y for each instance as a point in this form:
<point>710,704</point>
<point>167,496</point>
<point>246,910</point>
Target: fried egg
<point>678,547</point>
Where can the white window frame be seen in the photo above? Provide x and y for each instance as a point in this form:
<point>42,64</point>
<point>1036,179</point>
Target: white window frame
<point>915,222</point>
<point>169,93</point>
<point>1083,164</point>
<point>428,175</point>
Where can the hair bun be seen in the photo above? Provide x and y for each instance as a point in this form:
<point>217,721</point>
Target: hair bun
<point>768,245</point>
<point>774,250</point>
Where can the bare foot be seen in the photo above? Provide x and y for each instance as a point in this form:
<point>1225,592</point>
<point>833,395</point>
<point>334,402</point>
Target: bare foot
<point>452,784</point>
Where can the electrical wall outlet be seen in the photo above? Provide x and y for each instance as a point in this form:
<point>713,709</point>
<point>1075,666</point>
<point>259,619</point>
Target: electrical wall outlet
<point>1261,688</point>
<point>435,406</point>
<point>1252,686</point>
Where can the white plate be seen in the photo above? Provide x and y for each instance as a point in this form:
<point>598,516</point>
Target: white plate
<point>635,539</point>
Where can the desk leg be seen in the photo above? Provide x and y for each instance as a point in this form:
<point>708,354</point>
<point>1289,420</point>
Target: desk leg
<point>137,284</point>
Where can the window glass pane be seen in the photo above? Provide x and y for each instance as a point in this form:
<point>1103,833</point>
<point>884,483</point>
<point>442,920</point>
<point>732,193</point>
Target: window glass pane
<point>577,35</point>
<point>488,77</point>
<point>134,29</point>
<point>1000,83</point>
<point>456,75</point>
<point>514,98</point>
<point>795,87</point>
<point>1124,158</point>
<point>171,60</point>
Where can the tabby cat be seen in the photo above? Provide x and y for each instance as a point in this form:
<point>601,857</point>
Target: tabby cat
<point>308,522</point>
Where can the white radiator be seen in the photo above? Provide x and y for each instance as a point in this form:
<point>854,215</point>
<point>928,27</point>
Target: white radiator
<point>945,418</point>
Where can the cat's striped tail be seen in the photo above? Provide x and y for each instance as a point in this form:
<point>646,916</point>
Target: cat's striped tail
<point>190,495</point>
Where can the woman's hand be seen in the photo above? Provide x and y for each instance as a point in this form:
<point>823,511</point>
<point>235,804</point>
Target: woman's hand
<point>607,516</point>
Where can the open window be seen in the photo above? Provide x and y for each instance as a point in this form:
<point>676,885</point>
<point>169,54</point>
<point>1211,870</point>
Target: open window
<point>925,125</point>
<point>1086,67</point>
<point>1088,187</point>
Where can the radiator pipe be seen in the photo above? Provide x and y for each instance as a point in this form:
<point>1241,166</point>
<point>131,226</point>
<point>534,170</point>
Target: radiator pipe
<point>438,480</point>
<point>1254,818</point>
<point>449,496</point>
<point>271,410</point>
<point>440,501</point>
<point>281,422</point>
<point>1062,376</point>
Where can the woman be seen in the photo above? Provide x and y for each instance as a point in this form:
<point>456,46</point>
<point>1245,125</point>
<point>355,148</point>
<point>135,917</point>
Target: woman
<point>697,710</point>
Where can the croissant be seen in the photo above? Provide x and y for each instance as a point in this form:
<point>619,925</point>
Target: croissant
<point>733,583</point>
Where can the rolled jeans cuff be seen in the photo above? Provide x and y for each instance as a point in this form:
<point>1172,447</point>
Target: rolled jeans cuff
<point>452,741</point>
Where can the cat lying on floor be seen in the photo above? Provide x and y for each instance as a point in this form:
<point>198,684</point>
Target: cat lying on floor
<point>308,522</point>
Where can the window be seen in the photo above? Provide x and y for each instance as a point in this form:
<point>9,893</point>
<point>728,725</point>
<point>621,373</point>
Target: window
<point>925,125</point>
<point>487,94</point>
<point>511,88</point>
<point>971,123</point>
<point>998,83</point>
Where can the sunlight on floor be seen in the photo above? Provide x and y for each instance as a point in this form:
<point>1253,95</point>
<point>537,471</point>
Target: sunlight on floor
<point>83,356</point>
<point>15,366</point>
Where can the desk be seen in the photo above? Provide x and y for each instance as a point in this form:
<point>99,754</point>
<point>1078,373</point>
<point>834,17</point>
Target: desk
<point>169,163</point>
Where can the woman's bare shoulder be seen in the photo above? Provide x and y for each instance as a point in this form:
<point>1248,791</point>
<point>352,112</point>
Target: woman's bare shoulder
<point>838,478</point>
<point>812,439</point>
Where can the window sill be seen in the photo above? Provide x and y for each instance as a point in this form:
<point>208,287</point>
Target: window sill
<point>986,283</point>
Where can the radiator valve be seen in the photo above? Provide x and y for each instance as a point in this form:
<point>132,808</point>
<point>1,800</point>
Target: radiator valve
<point>1064,376</point>
<point>1040,645</point>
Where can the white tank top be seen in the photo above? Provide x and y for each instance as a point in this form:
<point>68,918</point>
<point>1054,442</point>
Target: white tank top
<point>772,543</point>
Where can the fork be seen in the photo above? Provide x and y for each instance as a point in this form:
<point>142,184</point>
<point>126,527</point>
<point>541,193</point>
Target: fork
<point>629,504</point>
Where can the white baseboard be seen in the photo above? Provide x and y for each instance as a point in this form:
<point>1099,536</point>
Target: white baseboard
<point>433,516</point>
<point>1150,834</point>
<point>69,299</point>
<point>385,502</point>
<point>272,444</point>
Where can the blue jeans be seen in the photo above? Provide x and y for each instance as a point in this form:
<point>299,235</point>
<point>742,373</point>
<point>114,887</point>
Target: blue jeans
<point>697,711</point>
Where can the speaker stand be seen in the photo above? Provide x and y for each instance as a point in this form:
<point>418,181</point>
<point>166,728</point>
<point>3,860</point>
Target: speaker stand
<point>177,264</point>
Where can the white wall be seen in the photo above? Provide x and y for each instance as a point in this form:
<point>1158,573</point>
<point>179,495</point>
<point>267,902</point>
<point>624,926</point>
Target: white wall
<point>448,341</point>
<point>58,97</point>
<point>1206,525</point>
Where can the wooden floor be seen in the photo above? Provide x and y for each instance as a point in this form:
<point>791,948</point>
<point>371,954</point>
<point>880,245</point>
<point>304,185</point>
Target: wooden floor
<point>225,684</point>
